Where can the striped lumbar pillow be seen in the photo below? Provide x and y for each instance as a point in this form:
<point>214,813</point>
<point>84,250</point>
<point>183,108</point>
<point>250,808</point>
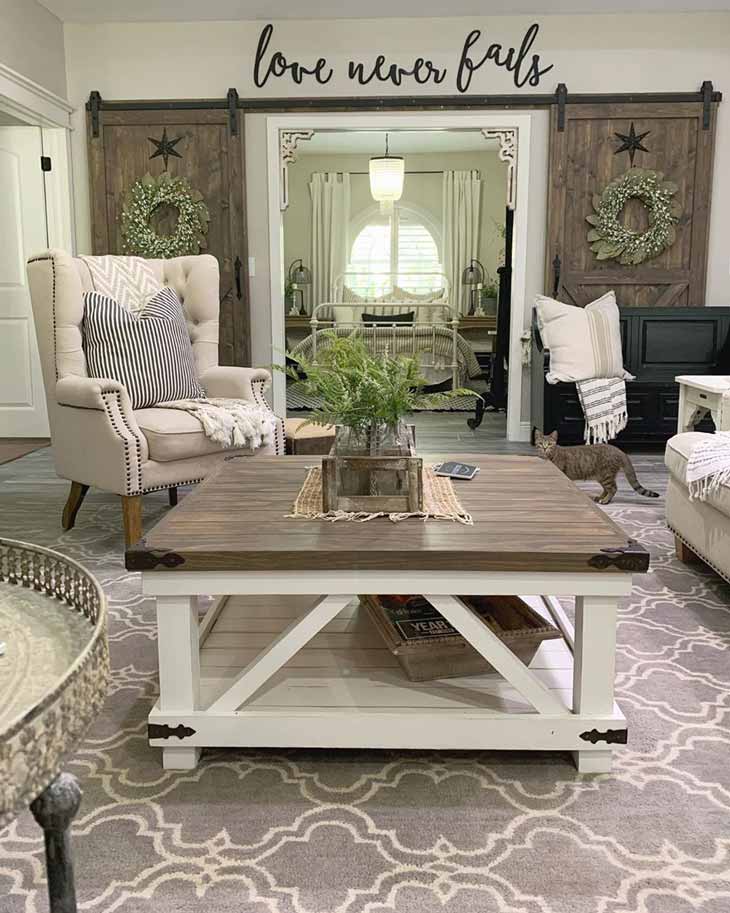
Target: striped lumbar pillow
<point>148,352</point>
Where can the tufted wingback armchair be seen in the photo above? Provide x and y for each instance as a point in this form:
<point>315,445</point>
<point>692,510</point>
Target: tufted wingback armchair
<point>98,439</point>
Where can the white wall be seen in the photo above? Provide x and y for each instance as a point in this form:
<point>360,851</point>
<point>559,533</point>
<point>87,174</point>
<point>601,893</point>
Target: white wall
<point>599,53</point>
<point>31,43</point>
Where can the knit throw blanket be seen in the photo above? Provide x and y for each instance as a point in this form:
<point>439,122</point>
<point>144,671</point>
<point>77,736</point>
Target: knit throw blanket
<point>708,466</point>
<point>230,422</point>
<point>604,406</point>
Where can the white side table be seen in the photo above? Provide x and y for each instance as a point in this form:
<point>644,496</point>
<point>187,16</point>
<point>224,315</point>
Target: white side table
<point>700,394</point>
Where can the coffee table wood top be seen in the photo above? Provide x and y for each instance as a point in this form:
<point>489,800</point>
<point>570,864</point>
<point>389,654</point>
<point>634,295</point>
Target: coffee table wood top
<point>527,517</point>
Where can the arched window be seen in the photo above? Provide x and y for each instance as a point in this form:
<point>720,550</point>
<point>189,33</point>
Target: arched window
<point>397,249</point>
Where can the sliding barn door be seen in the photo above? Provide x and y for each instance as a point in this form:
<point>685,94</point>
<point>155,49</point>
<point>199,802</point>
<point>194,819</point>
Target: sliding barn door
<point>203,145</point>
<point>591,145</point>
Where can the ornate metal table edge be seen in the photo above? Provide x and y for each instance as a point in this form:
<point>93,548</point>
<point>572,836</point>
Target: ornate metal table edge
<point>61,578</point>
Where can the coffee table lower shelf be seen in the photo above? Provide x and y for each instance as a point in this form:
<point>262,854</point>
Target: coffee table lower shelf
<point>304,671</point>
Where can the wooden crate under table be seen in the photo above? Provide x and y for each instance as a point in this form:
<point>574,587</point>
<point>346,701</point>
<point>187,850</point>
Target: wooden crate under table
<point>429,648</point>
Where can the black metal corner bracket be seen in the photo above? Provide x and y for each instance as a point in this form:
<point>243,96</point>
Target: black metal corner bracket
<point>610,736</point>
<point>232,99</point>
<point>707,98</point>
<point>561,98</point>
<point>632,557</point>
<point>163,731</point>
<point>140,558</point>
<point>94,106</point>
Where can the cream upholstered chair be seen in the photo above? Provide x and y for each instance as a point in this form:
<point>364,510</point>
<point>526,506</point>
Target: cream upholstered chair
<point>98,439</point>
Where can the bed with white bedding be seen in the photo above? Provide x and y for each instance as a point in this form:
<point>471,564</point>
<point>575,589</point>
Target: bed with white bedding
<point>407,314</point>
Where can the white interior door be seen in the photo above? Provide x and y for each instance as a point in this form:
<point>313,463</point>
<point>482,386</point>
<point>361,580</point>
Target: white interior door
<point>23,232</point>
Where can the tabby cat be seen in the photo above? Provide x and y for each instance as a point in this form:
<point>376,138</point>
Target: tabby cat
<point>598,462</point>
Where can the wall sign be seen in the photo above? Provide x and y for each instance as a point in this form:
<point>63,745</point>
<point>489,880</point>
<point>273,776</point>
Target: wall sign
<point>526,67</point>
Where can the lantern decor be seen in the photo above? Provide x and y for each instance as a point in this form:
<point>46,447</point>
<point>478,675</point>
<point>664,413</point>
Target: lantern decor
<point>298,277</point>
<point>473,276</point>
<point>386,178</point>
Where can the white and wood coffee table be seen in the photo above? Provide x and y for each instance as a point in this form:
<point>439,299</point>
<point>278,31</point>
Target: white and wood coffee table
<point>282,657</point>
<point>700,394</point>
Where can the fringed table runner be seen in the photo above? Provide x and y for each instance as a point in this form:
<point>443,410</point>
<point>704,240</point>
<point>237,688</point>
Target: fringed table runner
<point>439,502</point>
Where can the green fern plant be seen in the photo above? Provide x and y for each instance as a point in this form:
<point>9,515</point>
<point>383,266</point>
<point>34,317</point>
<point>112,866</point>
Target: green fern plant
<point>363,391</point>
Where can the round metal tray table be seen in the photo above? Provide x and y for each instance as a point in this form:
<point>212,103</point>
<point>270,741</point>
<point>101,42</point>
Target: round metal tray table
<point>54,672</point>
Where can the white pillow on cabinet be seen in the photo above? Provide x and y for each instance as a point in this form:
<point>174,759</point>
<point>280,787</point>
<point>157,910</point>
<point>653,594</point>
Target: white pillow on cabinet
<point>584,342</point>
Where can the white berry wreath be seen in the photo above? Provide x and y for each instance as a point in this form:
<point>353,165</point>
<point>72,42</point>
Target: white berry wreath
<point>610,239</point>
<point>141,201</point>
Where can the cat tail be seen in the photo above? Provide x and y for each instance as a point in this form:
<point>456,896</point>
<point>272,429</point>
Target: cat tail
<point>630,474</point>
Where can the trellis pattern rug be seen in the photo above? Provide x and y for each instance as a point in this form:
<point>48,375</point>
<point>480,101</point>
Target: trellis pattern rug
<point>398,832</point>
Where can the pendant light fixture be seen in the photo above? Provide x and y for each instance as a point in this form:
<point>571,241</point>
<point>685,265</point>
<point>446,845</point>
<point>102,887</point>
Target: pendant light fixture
<point>386,178</point>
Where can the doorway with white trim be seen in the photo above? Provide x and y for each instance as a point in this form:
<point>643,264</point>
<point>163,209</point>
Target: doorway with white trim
<point>408,256</point>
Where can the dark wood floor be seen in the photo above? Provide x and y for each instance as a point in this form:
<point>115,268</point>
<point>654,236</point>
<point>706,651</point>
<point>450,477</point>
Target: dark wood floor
<point>12,448</point>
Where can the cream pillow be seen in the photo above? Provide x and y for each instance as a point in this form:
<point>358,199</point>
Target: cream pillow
<point>584,342</point>
<point>344,313</point>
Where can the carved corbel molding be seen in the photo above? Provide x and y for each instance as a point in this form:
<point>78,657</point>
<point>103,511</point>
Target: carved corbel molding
<point>507,139</point>
<point>288,142</point>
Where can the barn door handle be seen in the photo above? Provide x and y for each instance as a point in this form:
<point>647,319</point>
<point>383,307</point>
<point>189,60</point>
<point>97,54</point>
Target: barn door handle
<point>237,267</point>
<point>556,275</point>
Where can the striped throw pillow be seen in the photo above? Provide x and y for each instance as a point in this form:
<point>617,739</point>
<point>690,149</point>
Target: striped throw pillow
<point>148,352</point>
<point>584,342</point>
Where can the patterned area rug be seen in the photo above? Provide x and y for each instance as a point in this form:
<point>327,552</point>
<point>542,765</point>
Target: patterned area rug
<point>399,832</point>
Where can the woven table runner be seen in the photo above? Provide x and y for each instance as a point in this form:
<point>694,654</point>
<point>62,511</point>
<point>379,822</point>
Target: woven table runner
<point>439,502</point>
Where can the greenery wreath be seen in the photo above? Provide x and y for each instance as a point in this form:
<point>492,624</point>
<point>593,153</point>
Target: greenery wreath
<point>611,240</point>
<point>141,201</point>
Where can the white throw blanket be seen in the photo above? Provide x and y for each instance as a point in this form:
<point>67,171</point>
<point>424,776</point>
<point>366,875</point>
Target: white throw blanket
<point>230,422</point>
<point>604,406</point>
<point>708,466</point>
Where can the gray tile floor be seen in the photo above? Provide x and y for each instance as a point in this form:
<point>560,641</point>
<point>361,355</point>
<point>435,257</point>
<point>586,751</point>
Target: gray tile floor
<point>444,432</point>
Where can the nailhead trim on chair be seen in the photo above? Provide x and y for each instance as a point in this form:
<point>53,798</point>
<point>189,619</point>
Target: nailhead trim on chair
<point>171,485</point>
<point>693,549</point>
<point>53,303</point>
<point>257,388</point>
<point>131,489</point>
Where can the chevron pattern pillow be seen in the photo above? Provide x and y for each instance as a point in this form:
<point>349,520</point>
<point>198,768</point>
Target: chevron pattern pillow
<point>131,281</point>
<point>148,352</point>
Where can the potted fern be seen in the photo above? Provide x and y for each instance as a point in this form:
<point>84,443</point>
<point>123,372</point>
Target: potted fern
<point>367,397</point>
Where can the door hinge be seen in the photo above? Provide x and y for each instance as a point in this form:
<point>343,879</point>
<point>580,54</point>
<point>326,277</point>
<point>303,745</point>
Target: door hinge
<point>46,163</point>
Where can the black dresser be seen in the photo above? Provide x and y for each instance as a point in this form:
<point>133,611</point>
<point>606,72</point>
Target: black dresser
<point>658,344</point>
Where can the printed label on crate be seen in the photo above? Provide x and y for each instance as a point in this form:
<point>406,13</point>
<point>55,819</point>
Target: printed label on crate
<point>415,619</point>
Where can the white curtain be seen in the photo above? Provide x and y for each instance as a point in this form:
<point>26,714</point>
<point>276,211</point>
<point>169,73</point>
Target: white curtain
<point>330,194</point>
<point>462,192</point>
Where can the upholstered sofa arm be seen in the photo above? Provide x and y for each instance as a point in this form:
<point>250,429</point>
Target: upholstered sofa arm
<point>88,392</point>
<point>235,383</point>
<point>96,438</point>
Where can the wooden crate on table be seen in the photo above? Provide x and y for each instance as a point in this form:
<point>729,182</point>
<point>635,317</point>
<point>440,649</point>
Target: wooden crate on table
<point>389,482</point>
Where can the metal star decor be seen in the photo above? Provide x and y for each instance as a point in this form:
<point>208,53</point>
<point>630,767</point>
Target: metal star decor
<point>166,147</point>
<point>631,142</point>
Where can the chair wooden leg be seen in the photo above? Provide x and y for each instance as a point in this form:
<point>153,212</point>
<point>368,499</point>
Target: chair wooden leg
<point>172,495</point>
<point>75,499</point>
<point>684,552</point>
<point>132,513</point>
